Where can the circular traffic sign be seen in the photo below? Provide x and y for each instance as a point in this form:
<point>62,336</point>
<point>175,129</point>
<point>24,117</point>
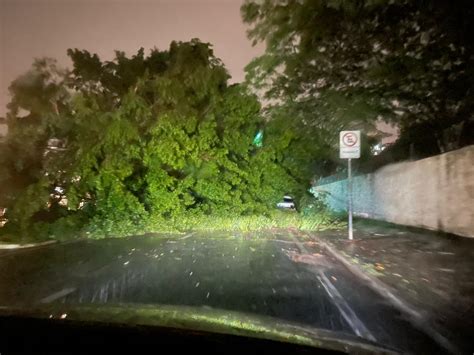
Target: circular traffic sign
<point>349,139</point>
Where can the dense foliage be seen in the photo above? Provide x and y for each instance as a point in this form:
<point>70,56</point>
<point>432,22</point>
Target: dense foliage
<point>335,64</point>
<point>121,146</point>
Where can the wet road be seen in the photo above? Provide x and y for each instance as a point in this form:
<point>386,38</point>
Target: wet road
<point>271,274</point>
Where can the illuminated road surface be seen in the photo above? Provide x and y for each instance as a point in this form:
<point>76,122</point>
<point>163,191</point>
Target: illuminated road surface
<point>272,275</point>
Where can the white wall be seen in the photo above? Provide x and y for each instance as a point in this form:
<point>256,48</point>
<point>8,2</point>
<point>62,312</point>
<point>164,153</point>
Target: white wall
<point>435,193</point>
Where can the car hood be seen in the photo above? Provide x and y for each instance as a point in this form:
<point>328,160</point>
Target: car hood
<point>203,319</point>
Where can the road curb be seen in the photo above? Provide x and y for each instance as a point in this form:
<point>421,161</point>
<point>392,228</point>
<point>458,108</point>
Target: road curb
<point>419,319</point>
<point>13,246</point>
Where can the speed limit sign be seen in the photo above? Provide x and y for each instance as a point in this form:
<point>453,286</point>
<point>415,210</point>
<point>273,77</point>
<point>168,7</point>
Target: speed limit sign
<point>349,144</point>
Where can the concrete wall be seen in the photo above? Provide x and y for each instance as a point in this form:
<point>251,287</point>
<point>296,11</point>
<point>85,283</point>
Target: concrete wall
<point>435,193</point>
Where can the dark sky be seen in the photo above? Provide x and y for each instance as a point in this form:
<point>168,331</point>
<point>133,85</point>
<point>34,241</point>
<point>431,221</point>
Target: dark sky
<point>36,28</point>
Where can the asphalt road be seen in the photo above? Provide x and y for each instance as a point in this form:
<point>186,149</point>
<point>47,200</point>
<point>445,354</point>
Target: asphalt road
<point>271,274</point>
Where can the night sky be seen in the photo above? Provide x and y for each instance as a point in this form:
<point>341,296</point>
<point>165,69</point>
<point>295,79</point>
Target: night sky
<point>38,28</point>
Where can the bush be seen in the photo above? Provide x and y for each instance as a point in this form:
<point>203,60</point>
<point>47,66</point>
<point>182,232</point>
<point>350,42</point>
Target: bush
<point>310,205</point>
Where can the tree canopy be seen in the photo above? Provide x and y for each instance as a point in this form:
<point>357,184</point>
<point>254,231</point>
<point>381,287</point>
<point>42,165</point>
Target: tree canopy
<point>111,146</point>
<point>334,64</point>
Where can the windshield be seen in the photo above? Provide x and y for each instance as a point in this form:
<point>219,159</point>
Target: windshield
<point>307,162</point>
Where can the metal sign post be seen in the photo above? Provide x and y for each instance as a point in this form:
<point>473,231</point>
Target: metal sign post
<point>349,148</point>
<point>349,192</point>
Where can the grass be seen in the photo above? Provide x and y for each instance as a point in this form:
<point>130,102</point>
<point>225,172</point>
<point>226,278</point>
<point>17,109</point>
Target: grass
<point>316,221</point>
<point>277,219</point>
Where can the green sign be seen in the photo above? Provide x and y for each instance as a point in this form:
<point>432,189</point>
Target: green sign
<point>258,140</point>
